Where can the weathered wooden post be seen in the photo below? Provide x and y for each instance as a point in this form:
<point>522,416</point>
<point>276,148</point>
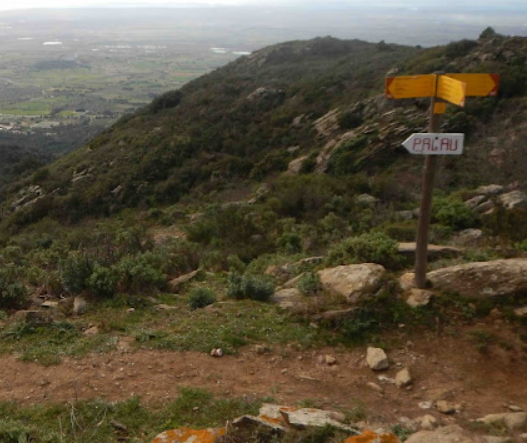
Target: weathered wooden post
<point>453,88</point>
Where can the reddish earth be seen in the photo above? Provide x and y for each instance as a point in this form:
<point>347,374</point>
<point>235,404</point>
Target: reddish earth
<point>446,366</point>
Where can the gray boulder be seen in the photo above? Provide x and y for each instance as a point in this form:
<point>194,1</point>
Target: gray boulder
<point>354,282</point>
<point>483,279</point>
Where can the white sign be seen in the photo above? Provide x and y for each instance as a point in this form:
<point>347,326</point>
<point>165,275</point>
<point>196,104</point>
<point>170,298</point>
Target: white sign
<point>435,144</point>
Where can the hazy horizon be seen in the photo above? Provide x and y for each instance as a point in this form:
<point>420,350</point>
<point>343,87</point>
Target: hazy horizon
<point>466,5</point>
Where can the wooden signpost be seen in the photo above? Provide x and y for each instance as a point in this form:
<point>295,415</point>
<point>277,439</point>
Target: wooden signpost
<point>441,88</point>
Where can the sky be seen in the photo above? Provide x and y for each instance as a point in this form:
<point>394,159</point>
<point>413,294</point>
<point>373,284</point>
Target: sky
<point>321,4</point>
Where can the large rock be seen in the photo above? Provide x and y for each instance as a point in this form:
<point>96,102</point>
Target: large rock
<point>483,279</point>
<point>513,200</point>
<point>177,283</point>
<point>377,359</point>
<point>355,282</point>
<point>514,421</point>
<point>468,237</point>
<point>447,434</point>
<point>187,435</point>
<point>34,318</point>
<point>296,165</point>
<point>288,298</point>
<point>309,418</point>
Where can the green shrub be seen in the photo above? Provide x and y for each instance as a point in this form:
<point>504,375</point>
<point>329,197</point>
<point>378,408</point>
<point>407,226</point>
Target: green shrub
<point>374,247</point>
<point>13,294</point>
<point>404,232</point>
<point>246,286</point>
<point>167,100</point>
<point>290,243</point>
<point>75,271</point>
<point>460,48</point>
<point>350,120</point>
<point>309,283</point>
<point>140,273</point>
<point>201,297</point>
<point>103,281</point>
<point>453,213</point>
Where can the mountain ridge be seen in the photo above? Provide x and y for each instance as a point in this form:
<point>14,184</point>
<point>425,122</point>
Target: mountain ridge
<point>247,121</point>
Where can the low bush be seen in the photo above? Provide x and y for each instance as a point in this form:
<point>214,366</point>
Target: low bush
<point>201,297</point>
<point>140,273</point>
<point>453,213</point>
<point>374,247</point>
<point>290,243</point>
<point>309,283</point>
<point>252,287</point>
<point>103,281</point>
<point>13,294</point>
<point>75,271</point>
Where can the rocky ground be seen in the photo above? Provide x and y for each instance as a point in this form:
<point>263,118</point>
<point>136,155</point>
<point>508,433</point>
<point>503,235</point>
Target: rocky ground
<point>451,379</point>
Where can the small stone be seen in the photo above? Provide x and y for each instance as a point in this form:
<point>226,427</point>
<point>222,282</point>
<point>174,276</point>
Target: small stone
<point>94,330</point>
<point>130,310</point>
<point>523,437</point>
<point>377,359</point>
<point>419,297</point>
<point>79,305</point>
<point>515,408</point>
<point>259,349</point>
<point>521,312</point>
<point>284,371</point>
<point>50,304</point>
<point>330,360</point>
<point>425,405</point>
<point>445,408</point>
<point>403,378</point>
<point>427,422</point>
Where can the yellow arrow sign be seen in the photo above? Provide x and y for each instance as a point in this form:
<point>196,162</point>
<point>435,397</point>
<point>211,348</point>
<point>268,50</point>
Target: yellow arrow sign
<point>479,85</point>
<point>451,90</point>
<point>411,86</point>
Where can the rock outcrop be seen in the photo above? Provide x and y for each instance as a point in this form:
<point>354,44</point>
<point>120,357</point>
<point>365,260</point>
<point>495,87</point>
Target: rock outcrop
<point>354,282</point>
<point>483,279</point>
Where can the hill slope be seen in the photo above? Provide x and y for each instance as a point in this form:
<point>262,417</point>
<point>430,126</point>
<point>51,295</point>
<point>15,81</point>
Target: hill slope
<point>318,101</point>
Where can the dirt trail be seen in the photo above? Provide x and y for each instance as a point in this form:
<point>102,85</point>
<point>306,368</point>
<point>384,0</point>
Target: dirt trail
<point>443,368</point>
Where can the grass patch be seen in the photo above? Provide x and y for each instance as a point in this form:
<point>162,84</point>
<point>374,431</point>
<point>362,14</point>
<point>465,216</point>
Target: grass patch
<point>97,421</point>
<point>229,326</point>
<point>48,345</point>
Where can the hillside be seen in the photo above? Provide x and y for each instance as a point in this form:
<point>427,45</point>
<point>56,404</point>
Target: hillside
<point>248,239</point>
<point>248,120</point>
<point>16,161</point>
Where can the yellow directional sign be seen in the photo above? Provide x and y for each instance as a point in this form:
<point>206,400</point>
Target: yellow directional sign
<point>451,90</point>
<point>479,85</point>
<point>439,108</point>
<point>411,86</point>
